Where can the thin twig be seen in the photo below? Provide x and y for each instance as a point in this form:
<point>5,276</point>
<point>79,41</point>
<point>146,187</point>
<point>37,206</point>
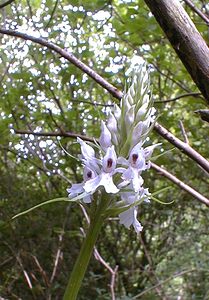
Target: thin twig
<point>180,97</point>
<point>57,259</point>
<point>163,282</point>
<point>181,184</point>
<point>52,14</point>
<point>197,10</point>
<point>186,140</point>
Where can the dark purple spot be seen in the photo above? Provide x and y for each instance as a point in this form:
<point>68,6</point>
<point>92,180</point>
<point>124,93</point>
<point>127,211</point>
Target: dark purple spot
<point>109,162</point>
<point>89,174</point>
<point>135,157</point>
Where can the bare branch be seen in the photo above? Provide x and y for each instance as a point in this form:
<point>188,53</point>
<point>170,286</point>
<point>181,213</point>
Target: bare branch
<point>197,10</point>
<point>186,140</point>
<point>179,97</point>
<point>69,56</point>
<point>188,150</point>
<point>59,133</point>
<point>181,184</point>
<point>6,3</point>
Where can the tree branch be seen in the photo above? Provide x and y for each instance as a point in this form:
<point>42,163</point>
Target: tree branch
<point>185,39</point>
<point>6,3</point>
<point>59,133</point>
<point>181,184</point>
<point>69,56</point>
<point>187,149</point>
<point>197,10</point>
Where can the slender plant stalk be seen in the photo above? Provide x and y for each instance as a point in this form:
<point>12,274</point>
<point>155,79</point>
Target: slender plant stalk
<point>83,259</point>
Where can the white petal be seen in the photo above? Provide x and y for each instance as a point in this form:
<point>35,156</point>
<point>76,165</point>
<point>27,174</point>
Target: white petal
<point>105,137</point>
<point>104,179</point>
<point>127,217</point>
<point>137,225</point>
<point>107,182</point>
<point>91,185</point>
<point>86,150</point>
<point>149,150</point>
<point>117,112</point>
<point>112,123</point>
<point>137,182</point>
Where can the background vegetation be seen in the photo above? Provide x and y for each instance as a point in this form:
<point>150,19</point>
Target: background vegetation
<point>41,92</point>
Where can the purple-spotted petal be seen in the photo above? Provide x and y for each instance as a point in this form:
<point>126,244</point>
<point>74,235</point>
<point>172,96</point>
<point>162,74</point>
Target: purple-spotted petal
<point>109,161</point>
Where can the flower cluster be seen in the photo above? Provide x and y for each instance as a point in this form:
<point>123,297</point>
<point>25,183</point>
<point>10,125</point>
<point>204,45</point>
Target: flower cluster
<point>121,159</point>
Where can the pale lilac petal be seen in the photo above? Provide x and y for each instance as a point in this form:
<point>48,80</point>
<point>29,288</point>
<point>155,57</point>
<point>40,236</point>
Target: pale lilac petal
<point>75,189</point>
<point>117,112</point>
<point>87,199</point>
<point>86,150</point>
<point>105,137</point>
<point>91,185</point>
<point>104,179</point>
<point>129,217</point>
<point>149,150</point>
<point>137,182</point>
<point>126,217</point>
<point>121,160</point>
<point>137,226</point>
<point>128,174</point>
<point>112,123</point>
<point>107,182</point>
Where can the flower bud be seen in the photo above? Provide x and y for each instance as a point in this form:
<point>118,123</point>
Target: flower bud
<point>105,137</point>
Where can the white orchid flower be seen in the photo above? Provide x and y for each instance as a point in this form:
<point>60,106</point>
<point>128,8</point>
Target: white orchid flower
<point>129,217</point>
<point>78,188</point>
<point>105,177</point>
<point>136,164</point>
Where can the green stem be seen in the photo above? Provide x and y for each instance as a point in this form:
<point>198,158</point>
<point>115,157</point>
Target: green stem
<point>83,259</point>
